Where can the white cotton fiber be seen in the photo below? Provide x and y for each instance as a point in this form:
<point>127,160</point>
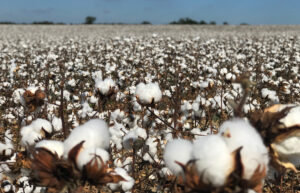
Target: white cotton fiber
<point>88,154</point>
<point>239,133</point>
<point>33,132</point>
<point>126,185</point>
<point>57,124</point>
<point>177,150</point>
<point>6,148</point>
<point>292,118</point>
<point>52,145</point>
<point>289,150</point>
<point>104,86</point>
<point>18,96</point>
<point>148,93</point>
<point>133,135</point>
<point>94,132</point>
<point>38,124</point>
<point>214,161</point>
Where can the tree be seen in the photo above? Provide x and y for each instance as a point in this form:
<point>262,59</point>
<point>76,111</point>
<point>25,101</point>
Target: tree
<point>202,22</point>
<point>212,23</point>
<point>225,23</point>
<point>186,20</point>
<point>90,20</point>
<point>146,23</point>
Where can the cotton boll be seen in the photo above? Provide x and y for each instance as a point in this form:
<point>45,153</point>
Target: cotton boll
<point>32,89</point>
<point>105,86</point>
<point>288,149</point>
<point>94,132</point>
<point>18,96</point>
<point>55,147</point>
<point>88,154</point>
<point>85,110</point>
<point>239,133</point>
<point>179,150</point>
<point>292,118</point>
<point>57,124</point>
<point>6,148</point>
<point>132,136</point>
<point>152,144</point>
<point>38,124</point>
<point>127,184</point>
<point>270,94</point>
<point>148,93</point>
<point>214,161</point>
<point>29,136</point>
<point>117,131</point>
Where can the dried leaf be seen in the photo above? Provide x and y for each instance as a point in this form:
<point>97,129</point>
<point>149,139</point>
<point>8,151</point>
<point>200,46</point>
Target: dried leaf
<point>74,152</point>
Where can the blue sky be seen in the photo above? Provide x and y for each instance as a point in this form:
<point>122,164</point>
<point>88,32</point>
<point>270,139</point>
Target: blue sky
<point>155,11</point>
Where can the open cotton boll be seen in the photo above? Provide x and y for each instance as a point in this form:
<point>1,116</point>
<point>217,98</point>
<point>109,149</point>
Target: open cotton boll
<point>32,89</point>
<point>29,136</point>
<point>270,94</point>
<point>18,96</point>
<point>289,150</point>
<point>88,154</point>
<point>177,150</point>
<point>6,148</point>
<point>55,147</point>
<point>104,86</point>
<point>152,144</point>
<point>38,124</point>
<point>214,161</point>
<point>148,93</point>
<point>125,185</point>
<point>239,133</point>
<point>292,118</point>
<point>94,132</point>
<point>117,131</point>
<point>133,135</point>
<point>57,124</point>
<point>85,110</point>
<point>97,75</point>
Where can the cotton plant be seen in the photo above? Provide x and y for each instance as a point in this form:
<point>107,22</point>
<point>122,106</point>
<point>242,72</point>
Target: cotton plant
<point>104,90</point>
<point>82,157</point>
<point>32,98</point>
<point>279,126</point>
<point>36,131</point>
<point>214,162</point>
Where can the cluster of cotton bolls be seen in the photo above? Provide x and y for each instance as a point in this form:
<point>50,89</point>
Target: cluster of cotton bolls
<point>214,156</point>
<point>86,146</point>
<point>151,88</point>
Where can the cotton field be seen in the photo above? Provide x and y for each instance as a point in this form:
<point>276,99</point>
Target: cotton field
<point>130,108</point>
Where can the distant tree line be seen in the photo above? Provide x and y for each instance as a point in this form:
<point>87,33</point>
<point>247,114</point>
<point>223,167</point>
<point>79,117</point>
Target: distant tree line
<point>91,20</point>
<point>190,21</point>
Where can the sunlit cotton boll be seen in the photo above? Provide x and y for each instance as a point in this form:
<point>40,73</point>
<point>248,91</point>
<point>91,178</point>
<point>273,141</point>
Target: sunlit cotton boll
<point>35,131</point>
<point>214,161</point>
<point>105,86</point>
<point>148,93</point>
<point>239,133</point>
<point>39,124</point>
<point>94,154</point>
<point>55,147</point>
<point>94,133</point>
<point>125,185</point>
<point>179,150</point>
